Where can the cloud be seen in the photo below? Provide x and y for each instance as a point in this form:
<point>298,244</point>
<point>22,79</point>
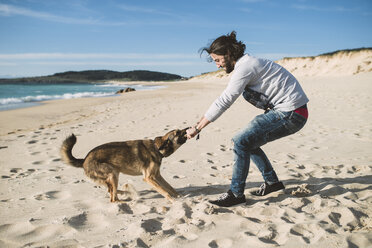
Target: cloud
<point>246,10</point>
<point>137,9</point>
<point>11,10</point>
<point>253,1</point>
<point>79,56</point>
<point>147,11</point>
<point>104,63</point>
<point>316,8</point>
<point>7,63</point>
<point>98,59</point>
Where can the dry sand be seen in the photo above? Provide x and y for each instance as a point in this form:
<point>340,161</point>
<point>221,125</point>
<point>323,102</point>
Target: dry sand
<point>326,167</point>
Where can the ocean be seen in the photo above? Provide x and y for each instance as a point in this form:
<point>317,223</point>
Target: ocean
<point>13,96</point>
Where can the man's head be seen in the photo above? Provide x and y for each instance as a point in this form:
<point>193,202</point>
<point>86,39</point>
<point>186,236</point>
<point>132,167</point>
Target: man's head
<point>225,51</point>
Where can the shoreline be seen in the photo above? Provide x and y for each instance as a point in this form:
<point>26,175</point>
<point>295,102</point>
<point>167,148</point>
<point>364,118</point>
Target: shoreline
<point>31,103</point>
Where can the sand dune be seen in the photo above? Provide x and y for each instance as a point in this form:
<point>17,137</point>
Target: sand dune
<point>335,64</point>
<point>326,167</point>
<point>340,63</point>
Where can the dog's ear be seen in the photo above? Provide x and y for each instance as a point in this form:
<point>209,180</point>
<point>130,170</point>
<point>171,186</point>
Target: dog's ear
<point>160,143</point>
<point>165,146</point>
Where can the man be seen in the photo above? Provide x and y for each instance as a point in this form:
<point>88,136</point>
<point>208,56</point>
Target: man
<point>268,86</point>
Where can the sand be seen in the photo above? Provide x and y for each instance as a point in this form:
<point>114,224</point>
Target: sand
<point>326,168</point>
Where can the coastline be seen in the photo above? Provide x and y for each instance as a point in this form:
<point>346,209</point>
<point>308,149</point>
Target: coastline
<point>28,95</point>
<point>326,169</point>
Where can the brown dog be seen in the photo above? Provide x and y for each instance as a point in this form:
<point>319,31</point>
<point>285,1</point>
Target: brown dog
<point>104,163</point>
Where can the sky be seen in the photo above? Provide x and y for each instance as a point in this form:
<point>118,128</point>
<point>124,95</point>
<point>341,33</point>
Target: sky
<point>43,37</point>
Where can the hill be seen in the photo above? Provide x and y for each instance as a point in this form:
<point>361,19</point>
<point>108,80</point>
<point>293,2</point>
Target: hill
<point>94,76</point>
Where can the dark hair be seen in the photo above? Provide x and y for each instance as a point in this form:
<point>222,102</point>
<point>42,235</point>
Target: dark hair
<point>225,45</point>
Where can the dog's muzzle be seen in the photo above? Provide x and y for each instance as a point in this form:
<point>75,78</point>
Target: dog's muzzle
<point>183,137</point>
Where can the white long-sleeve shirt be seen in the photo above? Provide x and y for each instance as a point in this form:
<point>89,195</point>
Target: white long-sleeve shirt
<point>264,76</point>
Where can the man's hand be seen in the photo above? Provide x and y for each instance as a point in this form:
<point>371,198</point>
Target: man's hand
<point>191,132</point>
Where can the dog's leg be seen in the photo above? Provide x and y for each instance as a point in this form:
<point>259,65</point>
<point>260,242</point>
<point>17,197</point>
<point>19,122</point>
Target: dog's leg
<point>151,180</point>
<point>167,186</point>
<point>105,174</point>
<point>151,174</point>
<point>112,183</point>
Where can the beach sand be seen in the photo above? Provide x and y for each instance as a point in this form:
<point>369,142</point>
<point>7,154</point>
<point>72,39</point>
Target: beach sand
<point>326,168</point>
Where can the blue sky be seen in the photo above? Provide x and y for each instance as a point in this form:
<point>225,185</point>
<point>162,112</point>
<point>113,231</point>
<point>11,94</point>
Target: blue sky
<point>42,37</point>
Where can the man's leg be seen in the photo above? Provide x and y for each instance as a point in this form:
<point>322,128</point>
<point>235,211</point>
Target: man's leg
<point>263,164</point>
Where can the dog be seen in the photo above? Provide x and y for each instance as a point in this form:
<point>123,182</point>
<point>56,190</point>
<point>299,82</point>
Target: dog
<point>104,163</point>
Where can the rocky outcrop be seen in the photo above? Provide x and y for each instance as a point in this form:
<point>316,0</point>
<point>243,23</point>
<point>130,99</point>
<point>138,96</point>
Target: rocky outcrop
<point>125,90</point>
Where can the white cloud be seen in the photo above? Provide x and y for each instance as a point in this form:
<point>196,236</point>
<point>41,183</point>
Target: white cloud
<point>98,59</point>
<point>7,64</point>
<point>253,1</point>
<point>9,10</point>
<point>316,8</point>
<point>140,9</point>
<point>103,63</point>
<point>53,56</point>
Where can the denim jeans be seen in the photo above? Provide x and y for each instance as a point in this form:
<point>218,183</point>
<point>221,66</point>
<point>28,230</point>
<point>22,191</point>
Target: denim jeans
<point>262,129</point>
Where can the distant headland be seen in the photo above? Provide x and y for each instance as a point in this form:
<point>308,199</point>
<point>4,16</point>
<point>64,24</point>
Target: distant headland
<point>95,76</point>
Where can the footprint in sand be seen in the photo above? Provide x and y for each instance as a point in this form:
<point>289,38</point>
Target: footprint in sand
<point>223,148</point>
<point>52,195</point>
<point>301,166</point>
<point>37,162</point>
<point>221,243</point>
<point>310,233</point>
<point>15,170</point>
<point>335,217</point>
<point>291,156</point>
<point>18,173</point>
<point>152,225</point>
<point>32,142</point>
<point>27,233</point>
<point>77,221</point>
<point>179,177</point>
<point>124,208</point>
<point>211,154</point>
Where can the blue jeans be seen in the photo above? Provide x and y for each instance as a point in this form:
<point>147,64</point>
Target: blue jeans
<point>262,129</point>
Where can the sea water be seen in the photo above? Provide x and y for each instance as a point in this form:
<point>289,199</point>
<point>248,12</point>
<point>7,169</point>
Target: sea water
<point>14,96</point>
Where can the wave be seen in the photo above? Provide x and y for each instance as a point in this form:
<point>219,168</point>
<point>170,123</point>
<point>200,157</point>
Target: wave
<point>39,98</point>
<point>135,86</point>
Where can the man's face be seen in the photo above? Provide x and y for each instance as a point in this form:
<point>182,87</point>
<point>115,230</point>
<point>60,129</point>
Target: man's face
<point>222,62</point>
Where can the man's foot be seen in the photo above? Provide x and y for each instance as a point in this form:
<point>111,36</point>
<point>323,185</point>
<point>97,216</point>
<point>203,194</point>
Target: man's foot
<point>266,188</point>
<point>228,199</point>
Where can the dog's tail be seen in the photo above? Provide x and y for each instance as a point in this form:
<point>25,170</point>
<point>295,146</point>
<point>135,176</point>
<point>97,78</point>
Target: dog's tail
<point>66,152</point>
